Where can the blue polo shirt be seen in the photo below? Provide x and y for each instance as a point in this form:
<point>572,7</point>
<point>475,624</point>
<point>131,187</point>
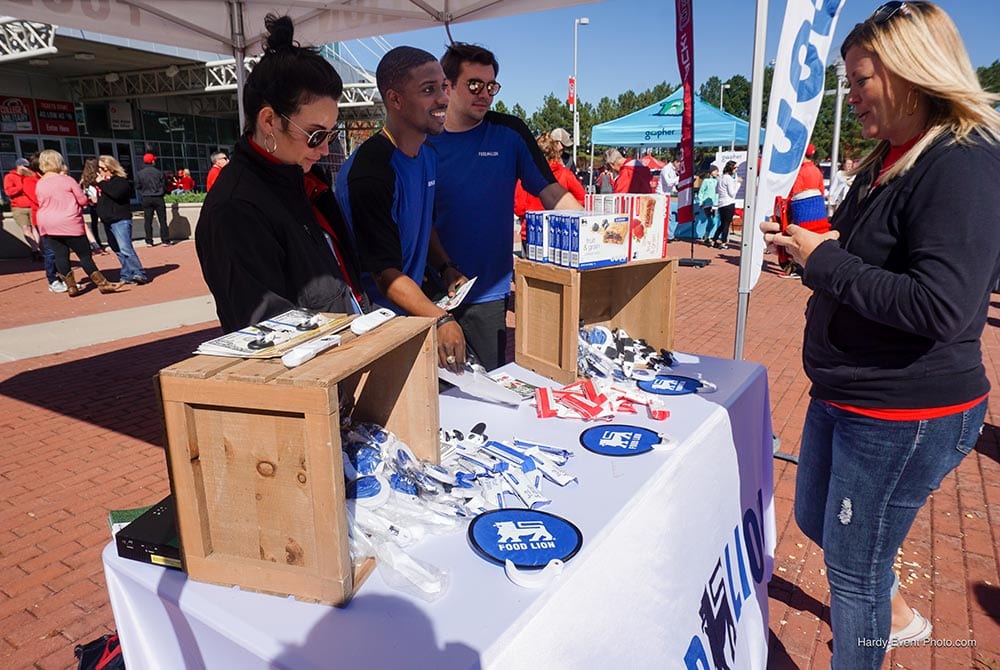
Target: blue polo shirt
<point>388,199</point>
<point>474,199</point>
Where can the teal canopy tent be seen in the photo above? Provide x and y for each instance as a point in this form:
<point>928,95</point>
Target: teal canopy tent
<point>660,125</point>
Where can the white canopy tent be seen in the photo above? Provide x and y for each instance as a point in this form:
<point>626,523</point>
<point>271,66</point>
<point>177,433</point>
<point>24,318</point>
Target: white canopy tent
<point>237,26</point>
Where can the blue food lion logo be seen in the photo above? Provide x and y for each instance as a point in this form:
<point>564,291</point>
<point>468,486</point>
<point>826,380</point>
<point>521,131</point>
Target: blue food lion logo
<point>517,531</point>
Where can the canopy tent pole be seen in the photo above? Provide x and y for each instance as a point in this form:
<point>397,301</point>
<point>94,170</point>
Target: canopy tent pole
<point>753,153</point>
<point>591,165</point>
<point>239,53</point>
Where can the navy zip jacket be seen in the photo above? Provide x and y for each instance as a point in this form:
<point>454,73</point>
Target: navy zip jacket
<point>899,301</point>
<point>262,251</point>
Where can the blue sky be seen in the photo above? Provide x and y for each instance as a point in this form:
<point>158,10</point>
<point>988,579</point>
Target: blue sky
<point>629,44</point>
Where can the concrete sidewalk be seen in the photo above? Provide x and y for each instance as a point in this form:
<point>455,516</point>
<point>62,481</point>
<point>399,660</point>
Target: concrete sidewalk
<point>81,433</point>
<point>83,331</point>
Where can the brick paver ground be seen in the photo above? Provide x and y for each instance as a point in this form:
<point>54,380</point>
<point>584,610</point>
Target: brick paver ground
<point>81,433</point>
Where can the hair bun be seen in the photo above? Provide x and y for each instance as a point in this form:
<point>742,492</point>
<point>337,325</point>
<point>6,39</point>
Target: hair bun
<point>280,32</point>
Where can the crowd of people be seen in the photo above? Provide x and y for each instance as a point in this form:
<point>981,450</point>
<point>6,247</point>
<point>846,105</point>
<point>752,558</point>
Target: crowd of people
<point>901,280</point>
<point>50,227</point>
<point>899,303</point>
<point>396,229</point>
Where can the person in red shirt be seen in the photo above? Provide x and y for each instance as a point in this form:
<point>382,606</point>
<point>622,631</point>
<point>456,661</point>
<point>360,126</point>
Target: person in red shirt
<point>22,203</point>
<point>809,178</point>
<point>187,181</point>
<point>632,175</point>
<point>220,159</point>
<point>525,202</point>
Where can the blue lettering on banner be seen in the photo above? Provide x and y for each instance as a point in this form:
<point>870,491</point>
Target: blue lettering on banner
<point>806,87</point>
<point>726,591</point>
<point>660,134</point>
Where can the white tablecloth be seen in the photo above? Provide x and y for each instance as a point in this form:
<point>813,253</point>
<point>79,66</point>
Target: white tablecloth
<point>678,549</point>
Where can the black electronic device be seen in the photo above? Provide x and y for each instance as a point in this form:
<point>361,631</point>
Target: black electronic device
<point>152,537</point>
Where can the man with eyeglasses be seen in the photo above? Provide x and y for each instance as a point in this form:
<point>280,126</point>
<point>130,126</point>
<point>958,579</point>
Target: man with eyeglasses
<point>219,160</point>
<point>481,156</point>
<point>386,190</point>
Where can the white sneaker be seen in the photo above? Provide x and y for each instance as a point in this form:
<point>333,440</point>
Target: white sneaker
<point>57,286</point>
<point>917,630</point>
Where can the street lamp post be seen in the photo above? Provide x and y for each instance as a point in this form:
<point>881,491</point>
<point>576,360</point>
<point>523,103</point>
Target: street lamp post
<point>722,96</point>
<point>582,21</point>
<point>841,69</point>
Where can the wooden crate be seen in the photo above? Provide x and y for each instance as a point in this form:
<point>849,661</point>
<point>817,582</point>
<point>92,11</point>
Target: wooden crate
<point>255,461</point>
<point>552,302</point>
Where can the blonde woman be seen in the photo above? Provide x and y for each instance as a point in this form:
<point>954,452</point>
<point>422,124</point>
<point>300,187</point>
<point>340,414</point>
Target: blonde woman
<point>115,212</point>
<point>901,287</point>
<point>60,218</point>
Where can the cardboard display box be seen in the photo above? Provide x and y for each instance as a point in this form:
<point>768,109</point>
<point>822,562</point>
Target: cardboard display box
<point>255,461</point>
<point>553,302</point>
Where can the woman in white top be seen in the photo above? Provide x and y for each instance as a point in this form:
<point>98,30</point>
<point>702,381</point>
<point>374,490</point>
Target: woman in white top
<point>726,190</point>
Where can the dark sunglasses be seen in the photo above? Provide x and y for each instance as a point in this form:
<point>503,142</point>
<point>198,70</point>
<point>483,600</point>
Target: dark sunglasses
<point>884,13</point>
<point>316,137</point>
<point>477,85</point>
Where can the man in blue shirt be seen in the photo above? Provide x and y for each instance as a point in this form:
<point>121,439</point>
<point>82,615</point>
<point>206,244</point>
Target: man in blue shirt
<point>481,155</point>
<point>386,190</point>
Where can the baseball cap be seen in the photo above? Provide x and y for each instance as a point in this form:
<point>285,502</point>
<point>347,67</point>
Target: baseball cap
<point>22,162</point>
<point>148,158</point>
<point>811,150</point>
<point>562,136</point>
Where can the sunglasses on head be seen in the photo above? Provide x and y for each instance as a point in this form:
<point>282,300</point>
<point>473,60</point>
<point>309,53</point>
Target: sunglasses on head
<point>477,85</point>
<point>316,137</point>
<point>884,13</point>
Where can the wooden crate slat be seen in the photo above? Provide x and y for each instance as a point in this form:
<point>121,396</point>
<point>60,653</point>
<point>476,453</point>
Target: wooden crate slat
<point>255,457</point>
<point>553,302</point>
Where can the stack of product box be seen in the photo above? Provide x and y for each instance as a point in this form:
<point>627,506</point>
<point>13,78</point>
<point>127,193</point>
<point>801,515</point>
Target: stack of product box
<point>615,229</point>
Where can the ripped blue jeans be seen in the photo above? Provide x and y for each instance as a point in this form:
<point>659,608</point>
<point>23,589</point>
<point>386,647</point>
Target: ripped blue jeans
<point>859,485</point>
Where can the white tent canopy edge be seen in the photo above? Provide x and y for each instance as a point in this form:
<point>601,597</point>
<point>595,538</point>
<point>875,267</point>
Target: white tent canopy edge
<point>221,26</point>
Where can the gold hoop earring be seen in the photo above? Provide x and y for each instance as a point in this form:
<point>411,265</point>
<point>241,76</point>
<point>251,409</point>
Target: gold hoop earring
<point>911,106</point>
<point>270,149</point>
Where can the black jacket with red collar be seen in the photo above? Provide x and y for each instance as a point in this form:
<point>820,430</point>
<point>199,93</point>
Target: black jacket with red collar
<point>261,249</point>
<point>900,300</point>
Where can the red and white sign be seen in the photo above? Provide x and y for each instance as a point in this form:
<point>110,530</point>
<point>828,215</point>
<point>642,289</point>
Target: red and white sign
<point>685,151</point>
<point>16,115</point>
<point>55,117</point>
<point>571,99</point>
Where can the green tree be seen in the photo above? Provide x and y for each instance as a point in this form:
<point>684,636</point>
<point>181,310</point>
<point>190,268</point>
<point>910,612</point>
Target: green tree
<point>709,91</point>
<point>554,113</point>
<point>501,107</point>
<point>989,77</point>
<point>519,112</point>
<point>735,100</point>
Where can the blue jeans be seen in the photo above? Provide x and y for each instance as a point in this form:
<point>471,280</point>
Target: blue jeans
<point>49,258</point>
<point>131,267</point>
<point>859,485</point>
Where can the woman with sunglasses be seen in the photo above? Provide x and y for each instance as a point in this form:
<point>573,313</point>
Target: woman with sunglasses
<point>271,236</point>
<point>901,287</point>
<point>114,209</point>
